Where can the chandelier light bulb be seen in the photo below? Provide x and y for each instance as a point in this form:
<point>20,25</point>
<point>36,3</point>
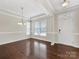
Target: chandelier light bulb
<point>66,3</point>
<point>19,23</point>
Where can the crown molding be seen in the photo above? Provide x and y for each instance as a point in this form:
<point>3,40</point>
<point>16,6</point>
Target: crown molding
<point>11,13</point>
<point>70,9</point>
<point>8,13</point>
<point>47,6</point>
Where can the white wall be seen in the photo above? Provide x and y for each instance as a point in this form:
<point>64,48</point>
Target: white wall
<point>69,23</point>
<point>9,29</point>
<point>52,29</point>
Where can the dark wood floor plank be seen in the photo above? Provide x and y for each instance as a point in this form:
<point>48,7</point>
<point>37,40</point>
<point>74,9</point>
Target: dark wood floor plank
<point>37,49</point>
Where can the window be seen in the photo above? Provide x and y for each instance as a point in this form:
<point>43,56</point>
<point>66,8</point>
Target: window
<point>37,28</point>
<point>40,28</point>
<point>27,28</point>
<point>43,28</point>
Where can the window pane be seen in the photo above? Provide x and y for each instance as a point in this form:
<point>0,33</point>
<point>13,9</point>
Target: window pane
<point>43,28</point>
<point>28,28</point>
<point>40,28</point>
<point>37,28</point>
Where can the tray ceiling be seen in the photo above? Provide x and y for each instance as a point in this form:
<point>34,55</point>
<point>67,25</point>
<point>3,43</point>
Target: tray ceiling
<point>35,7</point>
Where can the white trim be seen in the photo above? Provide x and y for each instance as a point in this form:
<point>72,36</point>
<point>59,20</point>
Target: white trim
<point>12,32</point>
<point>70,9</point>
<point>63,33</point>
<point>14,14</point>
<point>2,43</point>
<point>9,13</point>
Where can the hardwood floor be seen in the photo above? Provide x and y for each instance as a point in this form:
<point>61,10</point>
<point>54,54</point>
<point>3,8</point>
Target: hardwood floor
<point>37,49</point>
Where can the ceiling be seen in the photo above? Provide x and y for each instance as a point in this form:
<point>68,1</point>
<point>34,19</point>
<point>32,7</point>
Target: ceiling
<point>31,8</point>
<point>35,7</point>
<point>57,5</point>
